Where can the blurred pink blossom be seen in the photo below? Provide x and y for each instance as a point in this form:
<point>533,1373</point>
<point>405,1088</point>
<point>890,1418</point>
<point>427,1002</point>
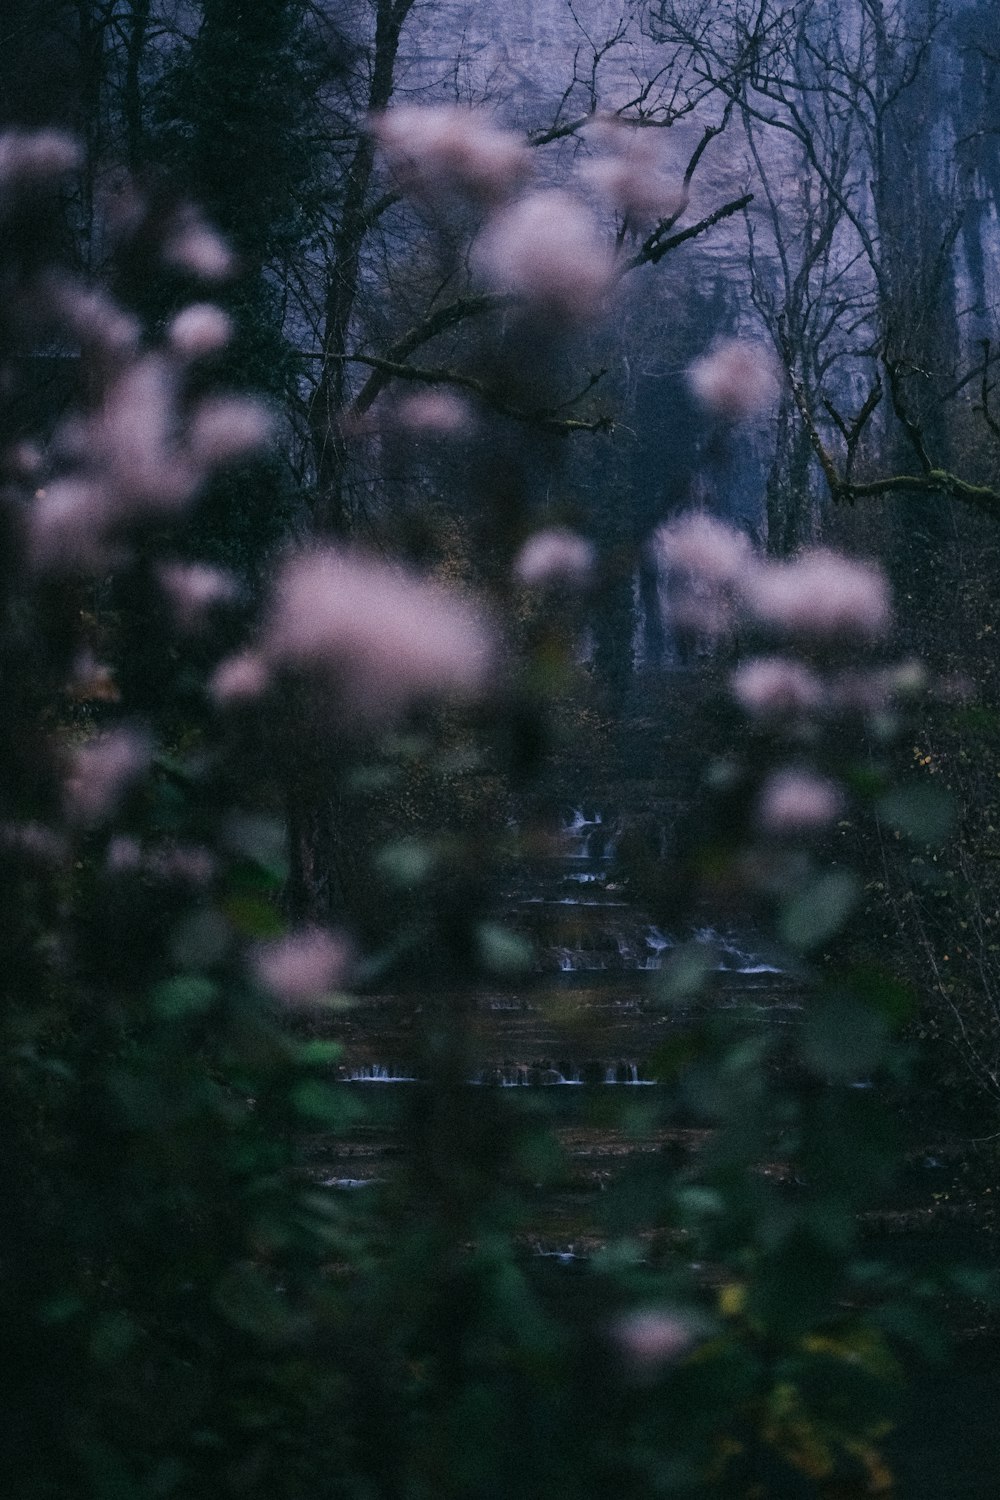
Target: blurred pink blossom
<point>304,966</point>
<point>31,156</point>
<point>735,379</point>
<point>92,316</point>
<point>434,412</point>
<point>102,771</point>
<point>546,249</point>
<point>386,636</point>
<point>34,840</point>
<point>193,590</point>
<point>200,330</point>
<point>132,441</point>
<point>707,563</point>
<point>774,686</point>
<point>822,593</point>
<point>793,801</point>
<point>444,147</point>
<point>187,864</point>
<point>652,1337</point>
<point>628,174</point>
<point>225,428</point>
<point>554,556</point>
<point>239,679</point>
<point>707,549</point>
<point>133,460</point>
<point>191,246</point>
<point>24,459</point>
<point>68,526</point>
<point>123,855</point>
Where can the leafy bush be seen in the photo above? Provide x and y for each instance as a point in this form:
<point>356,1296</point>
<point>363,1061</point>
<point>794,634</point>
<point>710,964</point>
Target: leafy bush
<point>190,1310</point>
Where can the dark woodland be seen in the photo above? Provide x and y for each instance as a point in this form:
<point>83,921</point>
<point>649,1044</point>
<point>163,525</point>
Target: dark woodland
<point>500,771</point>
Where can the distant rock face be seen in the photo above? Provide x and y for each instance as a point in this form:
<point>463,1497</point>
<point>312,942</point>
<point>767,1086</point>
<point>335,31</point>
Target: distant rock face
<point>536,63</point>
<point>539,63</point>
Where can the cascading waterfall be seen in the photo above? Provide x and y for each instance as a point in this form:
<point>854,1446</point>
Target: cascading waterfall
<point>587,926</point>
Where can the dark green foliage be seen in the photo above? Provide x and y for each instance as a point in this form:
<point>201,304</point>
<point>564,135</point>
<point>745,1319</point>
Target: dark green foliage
<point>193,1309</point>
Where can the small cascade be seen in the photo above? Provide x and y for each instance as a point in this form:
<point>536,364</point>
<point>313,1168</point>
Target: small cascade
<point>564,1074</point>
<point>378,1073</point>
<point>583,924</point>
<point>588,838</point>
<point>734,956</point>
<point>524,1075</point>
<point>657,942</point>
<point>624,1072</point>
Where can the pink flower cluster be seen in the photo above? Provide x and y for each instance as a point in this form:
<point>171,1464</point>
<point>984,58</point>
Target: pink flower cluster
<point>239,679</point>
<point>432,413</point>
<point>193,590</point>
<point>736,379</point>
<point>818,595</point>
<point>797,801</point>
<point>180,864</point>
<point>439,149</point>
<point>555,556</point>
<point>627,174</point>
<point>136,457</point>
<point>545,249</point>
<point>820,599</point>
<point>542,247</point>
<point>302,967</point>
<point>200,330</point>
<point>384,637</point>
<point>193,247</point>
<point>29,157</point>
<point>708,563</point>
<point>652,1337</point>
<point>103,771</point>
<point>821,593</point>
<point>774,687</point>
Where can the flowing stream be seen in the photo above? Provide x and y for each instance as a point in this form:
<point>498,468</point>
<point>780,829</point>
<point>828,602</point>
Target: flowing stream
<point>587,1016</point>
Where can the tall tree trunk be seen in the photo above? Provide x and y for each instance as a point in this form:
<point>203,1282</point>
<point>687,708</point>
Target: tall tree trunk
<point>331,512</point>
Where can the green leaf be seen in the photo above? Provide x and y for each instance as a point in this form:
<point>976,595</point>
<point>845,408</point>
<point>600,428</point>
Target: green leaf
<point>843,1038</point>
<point>893,999</point>
<point>697,1203</point>
<point>501,951</point>
<point>925,813</point>
<point>320,1101</point>
<point>319,1054</point>
<point>819,910</point>
<point>677,1053</point>
<point>61,1309</point>
<point>406,862</point>
<point>250,1303</point>
<point>200,939</point>
<point>112,1336</point>
<point>247,876</point>
<point>368,780</point>
<point>794,1286</point>
<point>259,838</point>
<point>187,995</point>
<point>685,972</point>
<point>253,916</point>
